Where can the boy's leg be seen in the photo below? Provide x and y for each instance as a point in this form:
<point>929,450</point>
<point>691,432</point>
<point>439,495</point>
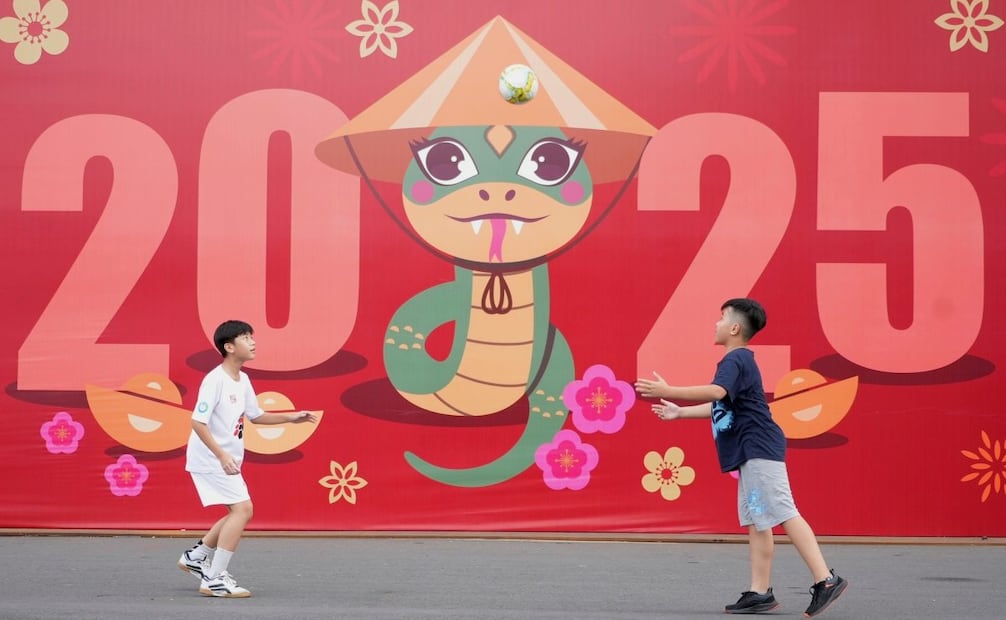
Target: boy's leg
<point>196,560</point>
<point>216,580</point>
<point>233,525</point>
<point>212,537</point>
<point>753,509</point>
<point>827,585</point>
<point>761,546</point>
<point>803,538</point>
<point>231,528</point>
<point>759,598</point>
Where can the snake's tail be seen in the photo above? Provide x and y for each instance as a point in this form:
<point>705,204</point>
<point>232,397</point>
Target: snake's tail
<point>539,430</point>
<point>554,374</point>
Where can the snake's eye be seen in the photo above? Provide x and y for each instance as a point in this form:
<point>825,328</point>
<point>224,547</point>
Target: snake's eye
<point>445,161</point>
<point>550,161</point>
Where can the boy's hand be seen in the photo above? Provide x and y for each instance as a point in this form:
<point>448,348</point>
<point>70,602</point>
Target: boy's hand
<point>230,465</point>
<point>302,416</point>
<point>652,388</point>
<point>667,410</point>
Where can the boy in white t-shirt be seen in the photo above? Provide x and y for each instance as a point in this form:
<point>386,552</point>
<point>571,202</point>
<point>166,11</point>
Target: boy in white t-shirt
<point>214,455</point>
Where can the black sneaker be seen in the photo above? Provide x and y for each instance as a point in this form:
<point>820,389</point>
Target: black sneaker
<point>753,603</point>
<point>824,593</point>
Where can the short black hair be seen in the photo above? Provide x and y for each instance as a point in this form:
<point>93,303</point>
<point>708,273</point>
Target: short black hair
<point>229,330</point>
<point>751,313</point>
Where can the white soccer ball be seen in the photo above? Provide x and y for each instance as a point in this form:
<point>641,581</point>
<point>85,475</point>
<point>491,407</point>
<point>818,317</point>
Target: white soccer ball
<point>518,84</point>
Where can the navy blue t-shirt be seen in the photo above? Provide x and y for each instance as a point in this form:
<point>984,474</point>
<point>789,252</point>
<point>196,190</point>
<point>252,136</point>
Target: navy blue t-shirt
<point>742,423</point>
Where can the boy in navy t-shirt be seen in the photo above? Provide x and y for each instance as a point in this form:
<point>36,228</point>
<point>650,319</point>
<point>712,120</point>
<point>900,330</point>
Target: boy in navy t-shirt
<point>750,442</point>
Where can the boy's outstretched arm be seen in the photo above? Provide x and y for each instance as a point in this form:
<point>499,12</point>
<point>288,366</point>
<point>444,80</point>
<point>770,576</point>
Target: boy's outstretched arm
<point>652,388</point>
<point>658,388</point>
<point>696,393</point>
<point>666,410</point>
<point>281,418</point>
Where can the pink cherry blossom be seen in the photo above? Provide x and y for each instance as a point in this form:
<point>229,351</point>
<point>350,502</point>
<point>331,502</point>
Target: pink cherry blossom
<point>62,434</point>
<point>126,476</point>
<point>599,401</point>
<point>566,462</point>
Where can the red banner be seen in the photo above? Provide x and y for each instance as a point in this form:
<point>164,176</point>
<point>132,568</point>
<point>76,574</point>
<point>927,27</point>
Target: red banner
<point>465,287</point>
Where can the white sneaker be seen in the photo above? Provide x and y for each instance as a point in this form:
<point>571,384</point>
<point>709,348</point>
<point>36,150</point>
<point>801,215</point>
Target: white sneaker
<point>192,564</point>
<point>223,586</point>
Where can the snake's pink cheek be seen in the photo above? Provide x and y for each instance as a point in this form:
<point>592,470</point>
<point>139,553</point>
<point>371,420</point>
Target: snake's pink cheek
<point>572,192</point>
<point>422,192</point>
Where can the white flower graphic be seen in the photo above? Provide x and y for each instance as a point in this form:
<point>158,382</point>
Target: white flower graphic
<point>35,29</point>
<point>379,28</point>
<point>969,22</point>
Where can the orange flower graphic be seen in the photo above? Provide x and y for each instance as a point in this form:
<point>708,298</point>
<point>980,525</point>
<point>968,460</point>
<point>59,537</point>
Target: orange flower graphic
<point>734,30</point>
<point>343,482</point>
<point>969,22</point>
<point>667,473</point>
<point>988,466</point>
<point>35,29</point>
<point>379,28</point>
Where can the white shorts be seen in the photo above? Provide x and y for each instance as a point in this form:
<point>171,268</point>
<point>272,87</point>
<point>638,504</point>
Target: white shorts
<point>216,489</point>
<point>764,499</point>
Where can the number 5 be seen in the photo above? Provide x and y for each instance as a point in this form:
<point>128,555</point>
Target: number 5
<point>947,242</point>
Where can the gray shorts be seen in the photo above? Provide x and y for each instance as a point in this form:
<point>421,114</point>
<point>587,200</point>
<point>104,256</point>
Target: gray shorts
<point>764,499</point>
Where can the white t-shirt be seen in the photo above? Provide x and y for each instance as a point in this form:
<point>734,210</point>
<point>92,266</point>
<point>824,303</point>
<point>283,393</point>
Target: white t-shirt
<point>223,404</point>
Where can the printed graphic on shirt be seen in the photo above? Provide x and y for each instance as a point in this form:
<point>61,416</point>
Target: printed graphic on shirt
<point>239,428</point>
<point>203,407</point>
<point>723,418</point>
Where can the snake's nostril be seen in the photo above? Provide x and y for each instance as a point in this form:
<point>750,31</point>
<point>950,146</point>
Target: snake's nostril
<point>483,194</point>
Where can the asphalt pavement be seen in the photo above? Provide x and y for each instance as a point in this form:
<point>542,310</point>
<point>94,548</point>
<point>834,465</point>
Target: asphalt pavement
<point>112,577</point>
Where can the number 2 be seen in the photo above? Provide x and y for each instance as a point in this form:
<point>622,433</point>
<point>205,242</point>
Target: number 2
<point>741,243</point>
<point>62,352</point>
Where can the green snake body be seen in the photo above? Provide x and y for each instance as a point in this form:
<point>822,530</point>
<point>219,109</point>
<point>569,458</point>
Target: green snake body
<point>495,359</point>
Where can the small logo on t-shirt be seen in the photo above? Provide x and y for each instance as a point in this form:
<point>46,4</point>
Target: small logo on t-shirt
<point>239,428</point>
<point>234,399</point>
<point>203,407</point>
<point>723,418</point>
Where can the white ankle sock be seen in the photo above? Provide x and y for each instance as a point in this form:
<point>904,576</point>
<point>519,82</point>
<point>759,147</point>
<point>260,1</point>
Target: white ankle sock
<point>201,550</point>
<point>220,561</point>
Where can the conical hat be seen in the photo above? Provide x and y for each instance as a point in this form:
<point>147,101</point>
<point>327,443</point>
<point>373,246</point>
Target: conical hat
<point>460,88</point>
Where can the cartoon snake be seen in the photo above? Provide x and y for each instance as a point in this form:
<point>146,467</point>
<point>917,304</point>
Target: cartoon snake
<point>498,190</point>
<point>496,201</point>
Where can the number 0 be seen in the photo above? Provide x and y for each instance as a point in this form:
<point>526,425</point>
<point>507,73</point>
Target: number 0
<point>324,238</point>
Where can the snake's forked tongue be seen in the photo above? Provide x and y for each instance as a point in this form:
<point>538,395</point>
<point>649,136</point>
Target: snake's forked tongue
<point>496,297</point>
<point>496,244</point>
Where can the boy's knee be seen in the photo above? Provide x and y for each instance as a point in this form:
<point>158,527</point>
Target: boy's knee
<point>244,510</point>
